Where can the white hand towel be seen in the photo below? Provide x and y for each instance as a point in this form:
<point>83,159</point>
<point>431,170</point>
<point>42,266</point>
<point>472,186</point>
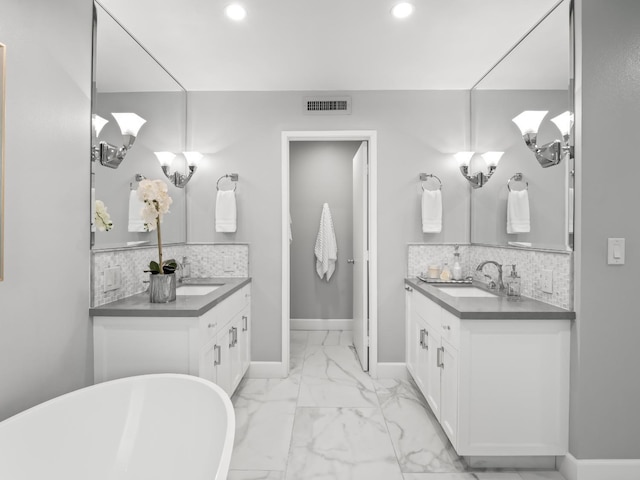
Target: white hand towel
<point>518,212</point>
<point>136,223</point>
<point>431,211</point>
<point>226,213</point>
<point>326,248</point>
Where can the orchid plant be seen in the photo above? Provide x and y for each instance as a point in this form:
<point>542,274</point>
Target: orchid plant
<point>102,219</point>
<point>155,195</point>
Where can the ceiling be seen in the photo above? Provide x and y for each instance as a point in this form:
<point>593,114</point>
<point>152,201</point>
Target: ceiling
<point>327,45</point>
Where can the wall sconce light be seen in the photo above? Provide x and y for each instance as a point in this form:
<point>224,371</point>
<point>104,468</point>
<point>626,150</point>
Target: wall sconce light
<point>551,153</point>
<point>110,155</point>
<point>478,179</point>
<point>178,179</point>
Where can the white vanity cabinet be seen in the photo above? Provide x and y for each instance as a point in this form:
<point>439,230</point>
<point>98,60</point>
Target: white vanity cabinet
<point>215,345</point>
<point>499,387</point>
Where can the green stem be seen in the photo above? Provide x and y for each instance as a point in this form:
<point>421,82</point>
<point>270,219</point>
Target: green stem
<point>159,244</point>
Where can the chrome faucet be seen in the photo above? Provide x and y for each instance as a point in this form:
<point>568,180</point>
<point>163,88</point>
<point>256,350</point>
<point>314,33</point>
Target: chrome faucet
<point>499,267</point>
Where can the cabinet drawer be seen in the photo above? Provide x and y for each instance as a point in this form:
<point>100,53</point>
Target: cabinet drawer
<point>216,318</point>
<point>428,310</point>
<point>450,328</point>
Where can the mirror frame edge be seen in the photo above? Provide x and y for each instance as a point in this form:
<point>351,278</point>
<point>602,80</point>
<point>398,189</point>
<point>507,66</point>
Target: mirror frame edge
<point>3,56</point>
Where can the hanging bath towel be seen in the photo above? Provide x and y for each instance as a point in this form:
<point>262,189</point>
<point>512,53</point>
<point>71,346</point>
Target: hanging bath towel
<point>518,212</point>
<point>226,215</point>
<point>326,249</point>
<point>431,211</point>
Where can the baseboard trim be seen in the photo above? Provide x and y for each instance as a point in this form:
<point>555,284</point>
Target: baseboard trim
<point>321,324</point>
<point>573,469</point>
<point>266,370</point>
<point>395,370</point>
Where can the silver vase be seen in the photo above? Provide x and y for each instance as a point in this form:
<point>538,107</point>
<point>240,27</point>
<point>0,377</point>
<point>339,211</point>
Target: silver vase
<point>162,287</point>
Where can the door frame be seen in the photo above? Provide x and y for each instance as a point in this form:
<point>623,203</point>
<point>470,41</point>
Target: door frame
<point>369,136</point>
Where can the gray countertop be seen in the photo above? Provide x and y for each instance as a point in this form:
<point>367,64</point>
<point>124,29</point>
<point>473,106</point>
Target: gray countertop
<point>184,306</point>
<point>497,307</point>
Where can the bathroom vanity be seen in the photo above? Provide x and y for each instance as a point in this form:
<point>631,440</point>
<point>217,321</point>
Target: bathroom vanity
<point>495,372</point>
<point>205,332</point>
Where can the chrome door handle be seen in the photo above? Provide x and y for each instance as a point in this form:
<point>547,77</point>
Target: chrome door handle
<point>217,360</point>
<point>351,260</point>
<point>245,325</point>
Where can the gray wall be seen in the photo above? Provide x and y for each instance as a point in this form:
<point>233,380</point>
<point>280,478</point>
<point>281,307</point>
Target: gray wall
<point>164,131</point>
<point>605,391</point>
<point>45,334</point>
<point>321,172</point>
<point>241,132</point>
<point>492,129</point>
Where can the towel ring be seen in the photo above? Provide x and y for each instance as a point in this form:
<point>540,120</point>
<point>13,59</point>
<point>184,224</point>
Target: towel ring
<point>139,177</point>
<point>231,176</point>
<point>517,178</point>
<point>425,176</point>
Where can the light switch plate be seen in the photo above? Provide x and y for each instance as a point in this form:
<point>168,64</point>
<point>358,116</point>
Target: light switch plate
<point>112,279</point>
<point>546,281</point>
<point>615,251</point>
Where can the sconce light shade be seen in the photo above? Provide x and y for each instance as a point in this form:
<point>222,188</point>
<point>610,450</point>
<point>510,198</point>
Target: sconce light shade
<point>129,123</point>
<point>193,158</point>
<point>492,158</point>
<point>463,158</point>
<point>98,123</point>
<point>165,158</point>
<point>564,122</point>
<point>529,121</point>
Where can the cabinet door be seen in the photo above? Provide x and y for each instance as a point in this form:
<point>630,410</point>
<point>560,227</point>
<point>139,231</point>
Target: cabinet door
<point>235,352</point>
<point>449,391</point>
<point>413,339</point>
<point>432,369</point>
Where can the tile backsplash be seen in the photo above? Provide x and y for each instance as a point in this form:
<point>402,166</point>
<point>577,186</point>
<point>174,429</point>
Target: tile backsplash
<point>529,264</point>
<point>206,260</point>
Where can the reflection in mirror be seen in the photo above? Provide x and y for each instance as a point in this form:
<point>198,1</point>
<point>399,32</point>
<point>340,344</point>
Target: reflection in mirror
<point>2,82</point>
<point>534,75</point>
<point>128,79</point>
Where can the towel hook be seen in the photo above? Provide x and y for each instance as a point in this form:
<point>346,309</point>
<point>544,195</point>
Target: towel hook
<point>425,176</point>
<point>232,177</point>
<point>518,177</point>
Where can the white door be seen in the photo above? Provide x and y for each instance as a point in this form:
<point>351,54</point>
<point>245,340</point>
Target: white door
<point>360,257</point>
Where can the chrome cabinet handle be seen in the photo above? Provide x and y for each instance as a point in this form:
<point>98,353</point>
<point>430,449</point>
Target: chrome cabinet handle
<point>424,338</point>
<point>245,325</point>
<point>218,359</point>
<point>408,288</point>
<point>439,357</point>
<point>235,336</point>
<point>231,337</point>
<point>211,325</point>
<point>446,327</point>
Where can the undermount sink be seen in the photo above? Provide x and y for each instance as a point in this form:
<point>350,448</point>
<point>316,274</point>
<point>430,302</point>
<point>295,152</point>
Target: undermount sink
<point>196,289</point>
<point>466,292</point>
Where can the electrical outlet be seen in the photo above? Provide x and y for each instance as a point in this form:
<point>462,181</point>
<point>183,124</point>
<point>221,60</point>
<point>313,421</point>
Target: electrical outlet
<point>228,265</point>
<point>546,281</point>
<point>112,279</point>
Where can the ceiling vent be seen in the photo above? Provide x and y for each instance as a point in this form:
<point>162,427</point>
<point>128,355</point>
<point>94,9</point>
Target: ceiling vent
<point>327,105</point>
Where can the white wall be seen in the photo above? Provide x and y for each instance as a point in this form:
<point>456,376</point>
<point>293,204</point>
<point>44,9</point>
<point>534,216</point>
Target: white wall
<point>44,326</point>
<point>241,132</point>
<point>321,172</point>
<point>605,392</point>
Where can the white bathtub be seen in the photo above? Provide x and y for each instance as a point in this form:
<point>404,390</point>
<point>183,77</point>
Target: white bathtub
<point>149,427</point>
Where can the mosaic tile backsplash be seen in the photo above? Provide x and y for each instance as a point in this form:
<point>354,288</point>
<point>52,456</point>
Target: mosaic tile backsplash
<point>206,260</point>
<point>529,264</point>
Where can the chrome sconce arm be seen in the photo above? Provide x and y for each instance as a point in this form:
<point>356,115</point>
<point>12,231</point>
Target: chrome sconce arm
<point>551,153</point>
<point>176,178</point>
<point>478,179</point>
<point>111,155</point>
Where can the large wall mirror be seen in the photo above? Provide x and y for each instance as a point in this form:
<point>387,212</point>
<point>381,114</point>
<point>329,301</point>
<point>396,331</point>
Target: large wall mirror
<point>534,75</point>
<point>2,96</point>
<point>128,79</point>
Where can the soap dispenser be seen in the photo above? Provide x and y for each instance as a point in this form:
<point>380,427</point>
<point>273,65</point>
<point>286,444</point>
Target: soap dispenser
<point>513,284</point>
<point>457,268</point>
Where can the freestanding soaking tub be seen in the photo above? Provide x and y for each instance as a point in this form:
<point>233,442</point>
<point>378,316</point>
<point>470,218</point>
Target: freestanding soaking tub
<point>149,427</point>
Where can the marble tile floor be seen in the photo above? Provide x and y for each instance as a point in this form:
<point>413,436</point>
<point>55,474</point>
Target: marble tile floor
<point>330,421</point>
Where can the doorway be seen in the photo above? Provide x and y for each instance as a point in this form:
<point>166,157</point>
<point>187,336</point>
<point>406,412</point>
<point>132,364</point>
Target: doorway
<point>360,263</point>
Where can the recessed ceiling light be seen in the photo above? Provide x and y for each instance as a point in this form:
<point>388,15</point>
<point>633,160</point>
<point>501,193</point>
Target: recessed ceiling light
<point>235,12</point>
<point>402,10</point>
